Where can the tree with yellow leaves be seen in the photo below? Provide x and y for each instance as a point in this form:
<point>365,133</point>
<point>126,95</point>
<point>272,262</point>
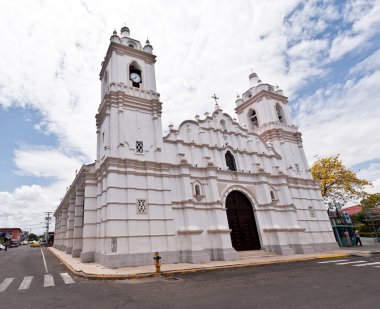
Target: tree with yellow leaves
<point>336,181</point>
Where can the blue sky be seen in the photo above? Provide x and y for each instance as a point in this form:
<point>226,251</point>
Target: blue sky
<point>17,125</point>
<point>325,55</point>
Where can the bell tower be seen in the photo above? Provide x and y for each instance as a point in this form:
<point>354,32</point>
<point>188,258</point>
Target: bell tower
<point>129,116</point>
<point>263,109</point>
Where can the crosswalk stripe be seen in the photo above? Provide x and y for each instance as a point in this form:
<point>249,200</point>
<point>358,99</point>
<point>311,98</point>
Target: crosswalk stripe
<point>352,262</point>
<point>66,278</point>
<point>25,284</point>
<point>368,264</point>
<point>48,280</point>
<point>5,284</point>
<point>333,261</point>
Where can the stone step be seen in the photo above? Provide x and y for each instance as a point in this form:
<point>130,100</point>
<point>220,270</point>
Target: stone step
<point>255,254</point>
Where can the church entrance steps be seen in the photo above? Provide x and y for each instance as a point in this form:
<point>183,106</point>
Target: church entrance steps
<point>251,254</point>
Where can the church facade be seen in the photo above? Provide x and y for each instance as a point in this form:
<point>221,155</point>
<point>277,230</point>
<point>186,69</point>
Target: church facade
<point>210,188</point>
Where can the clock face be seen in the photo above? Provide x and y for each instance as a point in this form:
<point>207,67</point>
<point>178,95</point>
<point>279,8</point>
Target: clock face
<point>135,77</point>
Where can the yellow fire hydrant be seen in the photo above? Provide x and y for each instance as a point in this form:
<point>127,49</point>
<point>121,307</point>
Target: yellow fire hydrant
<point>157,262</point>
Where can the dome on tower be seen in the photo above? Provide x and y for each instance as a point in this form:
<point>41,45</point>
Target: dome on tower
<point>124,32</point>
<point>114,37</point>
<point>148,48</point>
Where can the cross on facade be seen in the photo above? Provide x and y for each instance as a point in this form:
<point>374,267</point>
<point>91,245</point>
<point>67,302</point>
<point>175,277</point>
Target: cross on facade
<point>215,98</point>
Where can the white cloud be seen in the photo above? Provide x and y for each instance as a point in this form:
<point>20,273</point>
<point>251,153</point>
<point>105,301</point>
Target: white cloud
<point>368,65</point>
<point>46,162</point>
<point>365,19</point>
<point>372,173</point>
<point>25,207</point>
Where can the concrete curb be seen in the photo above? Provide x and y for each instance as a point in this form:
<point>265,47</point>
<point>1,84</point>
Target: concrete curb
<point>168,273</point>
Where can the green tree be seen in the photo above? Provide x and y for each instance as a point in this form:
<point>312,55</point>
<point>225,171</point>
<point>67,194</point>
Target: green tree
<point>370,200</point>
<point>32,237</point>
<point>336,181</point>
<point>371,213</point>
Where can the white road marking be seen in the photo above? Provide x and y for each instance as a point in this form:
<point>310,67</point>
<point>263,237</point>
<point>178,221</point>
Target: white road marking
<point>368,264</point>
<point>66,278</point>
<point>43,256</point>
<point>5,284</point>
<point>353,262</point>
<point>333,261</point>
<point>25,284</point>
<point>48,280</point>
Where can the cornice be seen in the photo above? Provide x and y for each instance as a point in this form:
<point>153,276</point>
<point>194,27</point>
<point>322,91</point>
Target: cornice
<point>121,99</point>
<point>261,94</point>
<point>125,50</point>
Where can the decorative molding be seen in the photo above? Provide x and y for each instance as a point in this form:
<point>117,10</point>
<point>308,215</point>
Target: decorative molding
<point>189,231</point>
<point>219,231</point>
<point>284,229</point>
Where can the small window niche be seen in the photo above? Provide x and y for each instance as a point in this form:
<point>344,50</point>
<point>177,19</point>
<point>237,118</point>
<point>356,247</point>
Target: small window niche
<point>230,161</point>
<point>113,244</point>
<point>141,206</point>
<point>280,114</point>
<point>312,211</point>
<point>105,83</point>
<point>273,196</point>
<point>253,120</point>
<point>198,191</point>
<point>139,147</point>
<point>223,125</point>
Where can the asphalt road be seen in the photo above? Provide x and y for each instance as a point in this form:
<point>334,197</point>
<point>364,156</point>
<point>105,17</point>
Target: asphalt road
<point>294,285</point>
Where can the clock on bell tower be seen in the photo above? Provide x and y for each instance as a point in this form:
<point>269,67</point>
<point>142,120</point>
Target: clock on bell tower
<point>129,116</point>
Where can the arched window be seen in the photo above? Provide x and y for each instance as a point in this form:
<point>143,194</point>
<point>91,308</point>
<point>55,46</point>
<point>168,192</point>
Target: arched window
<point>230,161</point>
<point>135,75</point>
<point>197,190</point>
<point>105,82</point>
<point>223,125</point>
<point>280,113</point>
<point>272,196</point>
<point>253,118</point>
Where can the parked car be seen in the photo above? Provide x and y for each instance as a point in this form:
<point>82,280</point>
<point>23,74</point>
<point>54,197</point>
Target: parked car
<point>13,243</point>
<point>35,244</point>
<point>2,247</point>
<point>24,242</point>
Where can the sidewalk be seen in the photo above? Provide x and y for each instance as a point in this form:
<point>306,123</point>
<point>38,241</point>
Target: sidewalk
<point>248,259</point>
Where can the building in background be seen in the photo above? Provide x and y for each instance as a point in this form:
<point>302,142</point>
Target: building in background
<point>352,210</point>
<point>14,235</point>
<point>210,188</point>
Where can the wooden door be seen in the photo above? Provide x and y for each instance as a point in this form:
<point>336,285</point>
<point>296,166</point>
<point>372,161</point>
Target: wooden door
<point>241,221</point>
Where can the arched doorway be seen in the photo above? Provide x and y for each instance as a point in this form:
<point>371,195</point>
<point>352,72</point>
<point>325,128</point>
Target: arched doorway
<point>241,221</point>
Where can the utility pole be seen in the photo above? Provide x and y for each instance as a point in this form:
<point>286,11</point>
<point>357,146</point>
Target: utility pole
<point>47,222</point>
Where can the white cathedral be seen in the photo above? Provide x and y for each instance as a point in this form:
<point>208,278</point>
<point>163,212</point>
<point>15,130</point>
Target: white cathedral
<point>210,188</point>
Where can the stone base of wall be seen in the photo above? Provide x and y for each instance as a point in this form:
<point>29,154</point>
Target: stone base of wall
<point>194,257</point>
<point>301,248</point>
<point>69,250</point>
<point>135,259</point>
<point>168,257</point>
<point>319,247</point>
<point>87,257</point>
<point>218,254</point>
<point>76,253</point>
